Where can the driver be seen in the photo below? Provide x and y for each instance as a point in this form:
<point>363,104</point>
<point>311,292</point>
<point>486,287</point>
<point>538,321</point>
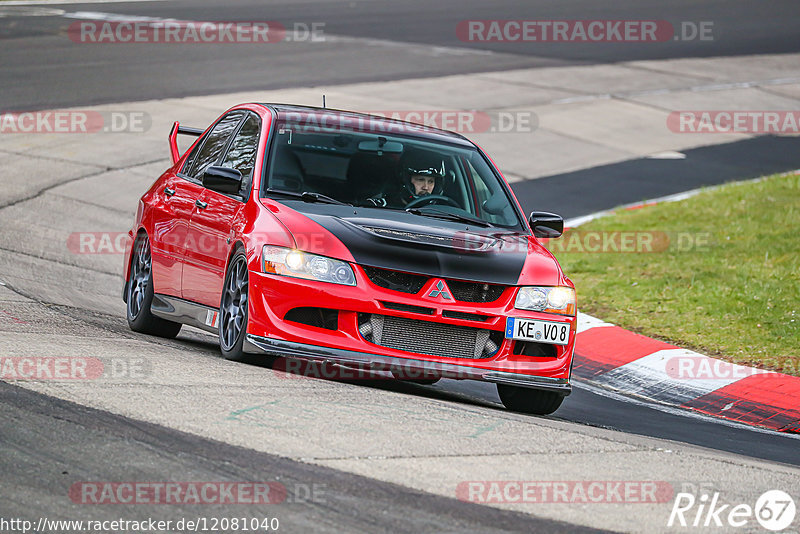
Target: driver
<point>421,174</point>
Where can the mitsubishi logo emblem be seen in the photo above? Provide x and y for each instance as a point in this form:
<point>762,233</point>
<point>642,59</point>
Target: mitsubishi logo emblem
<point>440,290</point>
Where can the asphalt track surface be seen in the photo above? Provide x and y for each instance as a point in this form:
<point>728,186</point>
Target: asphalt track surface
<point>42,68</point>
<point>44,438</point>
<point>588,191</point>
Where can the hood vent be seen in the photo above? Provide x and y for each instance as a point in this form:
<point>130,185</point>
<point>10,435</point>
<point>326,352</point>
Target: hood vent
<point>457,240</point>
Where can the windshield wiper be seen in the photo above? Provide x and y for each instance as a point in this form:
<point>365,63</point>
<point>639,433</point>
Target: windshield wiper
<point>307,196</point>
<point>439,214</point>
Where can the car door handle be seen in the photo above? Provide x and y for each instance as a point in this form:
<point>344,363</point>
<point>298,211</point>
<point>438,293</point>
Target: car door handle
<point>169,192</point>
<point>200,204</point>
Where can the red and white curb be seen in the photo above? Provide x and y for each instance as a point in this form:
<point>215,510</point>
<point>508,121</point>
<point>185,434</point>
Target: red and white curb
<point>629,363</point>
<point>635,365</point>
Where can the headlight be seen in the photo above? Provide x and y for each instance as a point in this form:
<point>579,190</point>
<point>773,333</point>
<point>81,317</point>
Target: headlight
<point>559,300</point>
<point>299,264</point>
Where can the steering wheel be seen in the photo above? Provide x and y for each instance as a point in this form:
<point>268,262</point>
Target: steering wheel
<point>428,199</point>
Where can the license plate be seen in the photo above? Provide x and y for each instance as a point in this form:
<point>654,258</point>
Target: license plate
<point>538,331</point>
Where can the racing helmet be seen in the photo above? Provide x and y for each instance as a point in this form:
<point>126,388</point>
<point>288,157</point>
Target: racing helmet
<point>415,162</point>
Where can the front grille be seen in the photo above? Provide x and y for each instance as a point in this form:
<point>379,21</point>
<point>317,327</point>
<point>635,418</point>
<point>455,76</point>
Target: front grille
<point>396,280</point>
<point>464,316</point>
<point>475,291</point>
<point>407,307</point>
<point>413,284</point>
<point>426,337</point>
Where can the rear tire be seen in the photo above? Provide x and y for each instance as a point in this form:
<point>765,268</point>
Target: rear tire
<point>140,294</point>
<point>233,312</point>
<point>526,400</point>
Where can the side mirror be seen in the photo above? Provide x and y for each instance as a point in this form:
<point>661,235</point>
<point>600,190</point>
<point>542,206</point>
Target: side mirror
<point>223,180</point>
<point>546,224</point>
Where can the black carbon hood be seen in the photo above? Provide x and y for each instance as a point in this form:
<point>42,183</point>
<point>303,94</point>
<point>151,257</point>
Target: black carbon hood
<point>394,239</point>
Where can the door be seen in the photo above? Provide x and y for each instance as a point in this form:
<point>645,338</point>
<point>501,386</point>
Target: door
<point>173,205</point>
<point>211,228</point>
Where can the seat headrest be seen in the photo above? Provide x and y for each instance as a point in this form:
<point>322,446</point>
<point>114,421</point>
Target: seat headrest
<point>287,171</point>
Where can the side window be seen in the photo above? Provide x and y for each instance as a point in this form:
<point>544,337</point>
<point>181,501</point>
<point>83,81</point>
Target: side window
<point>485,193</point>
<point>242,153</point>
<point>481,191</point>
<point>214,144</point>
<point>192,156</point>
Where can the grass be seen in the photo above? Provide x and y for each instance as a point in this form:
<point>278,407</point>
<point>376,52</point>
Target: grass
<point>733,294</point>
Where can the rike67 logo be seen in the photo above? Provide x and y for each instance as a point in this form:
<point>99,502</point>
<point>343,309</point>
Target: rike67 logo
<point>774,510</point>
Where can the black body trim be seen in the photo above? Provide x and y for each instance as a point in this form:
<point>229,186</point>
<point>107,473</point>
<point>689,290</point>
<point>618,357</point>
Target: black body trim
<point>188,130</point>
<point>182,311</point>
<point>499,263</point>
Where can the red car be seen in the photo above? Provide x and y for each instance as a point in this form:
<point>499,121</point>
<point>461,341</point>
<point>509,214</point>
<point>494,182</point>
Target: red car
<point>353,240</point>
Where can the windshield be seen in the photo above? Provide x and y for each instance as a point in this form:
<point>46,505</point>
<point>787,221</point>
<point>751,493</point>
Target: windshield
<point>387,170</point>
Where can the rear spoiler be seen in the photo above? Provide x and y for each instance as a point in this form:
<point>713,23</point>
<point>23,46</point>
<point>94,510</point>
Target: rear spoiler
<point>173,138</point>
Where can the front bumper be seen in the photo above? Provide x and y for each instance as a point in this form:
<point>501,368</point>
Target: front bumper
<point>272,297</point>
<point>406,366</point>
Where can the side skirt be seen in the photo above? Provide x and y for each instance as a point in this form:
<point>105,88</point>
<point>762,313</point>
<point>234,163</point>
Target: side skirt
<point>186,312</point>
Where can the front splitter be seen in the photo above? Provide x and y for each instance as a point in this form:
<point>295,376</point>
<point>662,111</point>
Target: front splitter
<point>375,362</point>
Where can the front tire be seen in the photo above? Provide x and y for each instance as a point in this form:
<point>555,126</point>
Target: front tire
<point>140,294</point>
<point>526,400</point>
<point>233,312</point>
